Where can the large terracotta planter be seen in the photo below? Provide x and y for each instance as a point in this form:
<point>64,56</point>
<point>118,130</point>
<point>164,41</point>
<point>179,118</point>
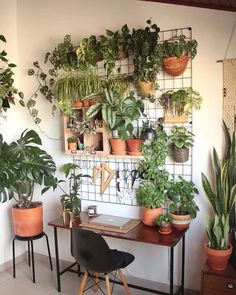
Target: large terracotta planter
<point>133,145</point>
<point>218,259</point>
<point>118,146</point>
<point>150,215</point>
<point>180,222</point>
<point>147,87</point>
<point>28,222</point>
<point>175,66</point>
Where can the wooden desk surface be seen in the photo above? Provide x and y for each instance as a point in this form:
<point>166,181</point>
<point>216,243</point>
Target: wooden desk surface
<point>141,233</point>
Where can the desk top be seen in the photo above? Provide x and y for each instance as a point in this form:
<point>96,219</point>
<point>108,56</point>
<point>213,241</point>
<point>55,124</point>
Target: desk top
<point>140,233</point>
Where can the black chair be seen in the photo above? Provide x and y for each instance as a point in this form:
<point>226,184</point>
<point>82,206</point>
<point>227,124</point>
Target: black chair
<point>91,251</point>
<point>30,240</point>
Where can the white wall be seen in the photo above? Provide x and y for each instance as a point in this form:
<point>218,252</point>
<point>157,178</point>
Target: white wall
<point>41,25</point>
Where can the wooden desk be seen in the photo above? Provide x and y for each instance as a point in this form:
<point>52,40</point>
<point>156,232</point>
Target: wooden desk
<point>140,233</point>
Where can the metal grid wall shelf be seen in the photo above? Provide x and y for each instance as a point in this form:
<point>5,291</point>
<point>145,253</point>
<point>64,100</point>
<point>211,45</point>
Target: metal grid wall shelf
<point>90,191</point>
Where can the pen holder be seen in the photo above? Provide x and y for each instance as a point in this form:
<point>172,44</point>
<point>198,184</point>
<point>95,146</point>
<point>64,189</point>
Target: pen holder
<point>92,210</point>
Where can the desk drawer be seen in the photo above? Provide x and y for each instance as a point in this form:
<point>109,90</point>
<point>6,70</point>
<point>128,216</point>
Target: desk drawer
<point>218,283</point>
<point>214,292</point>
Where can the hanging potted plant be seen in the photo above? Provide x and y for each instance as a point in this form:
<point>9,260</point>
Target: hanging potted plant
<point>181,140</point>
<point>147,58</point>
<point>155,179</point>
<point>7,87</point>
<point>176,54</point>
<point>182,207</point>
<point>23,165</point>
<point>178,104</point>
<point>164,223</point>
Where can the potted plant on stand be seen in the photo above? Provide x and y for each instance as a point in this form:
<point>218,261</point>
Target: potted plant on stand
<point>222,200</point>
<point>176,54</point>
<point>182,207</point>
<point>155,179</point>
<point>181,140</point>
<point>164,223</point>
<point>23,165</point>
<point>147,58</point>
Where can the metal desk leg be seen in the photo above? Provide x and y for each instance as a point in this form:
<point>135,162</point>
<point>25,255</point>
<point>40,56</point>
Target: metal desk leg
<point>57,260</point>
<point>183,264</point>
<point>171,270</point>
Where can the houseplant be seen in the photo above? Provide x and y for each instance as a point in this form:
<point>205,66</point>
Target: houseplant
<point>182,207</point>
<point>181,139</point>
<point>155,179</point>
<point>118,112</point>
<point>218,248</point>
<point>72,143</point>
<point>176,54</point>
<point>70,201</point>
<point>222,198</point>
<point>147,57</point>
<point>23,164</point>
<point>179,104</point>
<point>7,82</point>
<point>164,222</point>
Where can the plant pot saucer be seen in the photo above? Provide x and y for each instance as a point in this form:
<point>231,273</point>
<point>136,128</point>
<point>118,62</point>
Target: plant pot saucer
<point>165,232</point>
<point>120,153</point>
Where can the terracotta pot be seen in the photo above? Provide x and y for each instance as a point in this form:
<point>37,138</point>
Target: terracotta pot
<point>166,229</point>
<point>78,104</point>
<point>72,146</point>
<point>175,66</point>
<point>180,222</point>
<point>28,222</point>
<point>181,155</point>
<point>133,145</point>
<point>86,103</point>
<point>92,101</point>
<point>118,146</point>
<point>150,215</point>
<point>218,259</point>
<point>147,87</point>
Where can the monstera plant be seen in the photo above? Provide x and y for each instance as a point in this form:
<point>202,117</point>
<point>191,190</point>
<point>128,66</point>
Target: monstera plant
<point>23,164</point>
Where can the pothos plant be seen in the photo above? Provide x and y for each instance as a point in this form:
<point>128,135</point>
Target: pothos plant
<point>155,178</point>
<point>7,87</point>
<point>61,58</point>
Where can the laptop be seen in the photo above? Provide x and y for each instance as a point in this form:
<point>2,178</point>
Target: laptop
<point>111,221</point>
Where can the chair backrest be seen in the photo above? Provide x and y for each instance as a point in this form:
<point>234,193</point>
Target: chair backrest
<point>90,250</point>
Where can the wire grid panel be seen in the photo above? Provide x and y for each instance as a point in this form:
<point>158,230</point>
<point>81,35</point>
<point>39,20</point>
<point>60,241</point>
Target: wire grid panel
<point>126,194</point>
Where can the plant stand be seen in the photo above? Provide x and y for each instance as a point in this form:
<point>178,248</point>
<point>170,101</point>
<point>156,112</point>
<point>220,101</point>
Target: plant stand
<point>30,240</point>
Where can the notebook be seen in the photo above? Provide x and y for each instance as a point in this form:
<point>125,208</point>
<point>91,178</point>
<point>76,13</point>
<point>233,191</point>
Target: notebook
<point>109,220</point>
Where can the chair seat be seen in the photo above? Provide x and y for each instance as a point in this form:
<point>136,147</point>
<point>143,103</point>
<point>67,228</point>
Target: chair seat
<point>120,259</point>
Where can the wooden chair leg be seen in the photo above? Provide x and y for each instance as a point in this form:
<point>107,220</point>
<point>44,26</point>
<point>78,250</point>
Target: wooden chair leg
<point>95,288</point>
<point>123,279</point>
<point>83,283</point>
<point>108,286</point>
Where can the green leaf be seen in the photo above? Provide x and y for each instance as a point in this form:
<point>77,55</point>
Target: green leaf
<point>93,110</point>
<point>11,65</point>
<point>3,39</point>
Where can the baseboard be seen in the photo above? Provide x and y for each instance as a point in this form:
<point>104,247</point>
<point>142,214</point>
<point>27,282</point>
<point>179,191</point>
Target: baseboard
<point>8,264</point>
